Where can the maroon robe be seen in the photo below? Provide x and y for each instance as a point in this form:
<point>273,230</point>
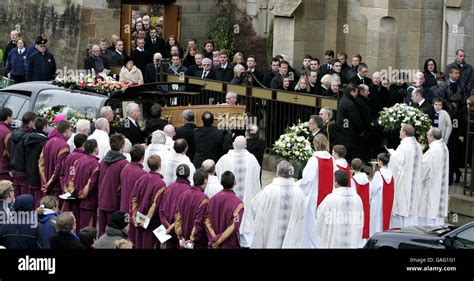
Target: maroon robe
<point>190,216</point>
<point>5,135</point>
<point>51,162</point>
<point>146,199</point>
<point>224,215</point>
<point>168,208</point>
<point>128,177</point>
<point>109,186</point>
<point>85,182</point>
<point>65,177</point>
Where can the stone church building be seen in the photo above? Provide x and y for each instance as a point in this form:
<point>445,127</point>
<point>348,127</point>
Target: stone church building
<point>401,34</point>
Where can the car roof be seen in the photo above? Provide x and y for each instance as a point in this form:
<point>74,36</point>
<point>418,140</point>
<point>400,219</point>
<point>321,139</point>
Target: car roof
<point>33,88</point>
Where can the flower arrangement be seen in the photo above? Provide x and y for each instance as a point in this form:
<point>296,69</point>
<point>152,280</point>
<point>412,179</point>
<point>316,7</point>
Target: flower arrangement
<point>71,114</point>
<point>294,144</point>
<point>393,117</point>
<point>98,83</point>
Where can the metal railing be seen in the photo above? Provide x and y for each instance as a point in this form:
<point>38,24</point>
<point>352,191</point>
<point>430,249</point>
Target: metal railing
<point>275,110</point>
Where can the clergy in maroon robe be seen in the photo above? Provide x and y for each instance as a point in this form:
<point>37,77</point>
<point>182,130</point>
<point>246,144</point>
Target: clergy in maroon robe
<point>170,201</point>
<point>128,177</point>
<point>5,135</point>
<point>109,180</point>
<point>52,159</point>
<point>191,213</point>
<point>17,152</point>
<point>85,182</point>
<point>224,215</point>
<point>146,199</point>
<point>67,173</point>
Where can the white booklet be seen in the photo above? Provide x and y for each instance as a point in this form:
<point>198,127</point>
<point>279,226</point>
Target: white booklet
<point>160,233</point>
<point>142,220</point>
<point>65,196</point>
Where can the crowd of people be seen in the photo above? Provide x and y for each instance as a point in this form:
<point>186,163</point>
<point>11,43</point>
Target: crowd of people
<point>111,187</point>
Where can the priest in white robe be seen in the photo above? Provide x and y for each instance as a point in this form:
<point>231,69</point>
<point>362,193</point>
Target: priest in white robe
<point>278,212</point>
<point>157,147</point>
<point>316,184</point>
<point>435,181</point>
<point>176,158</point>
<point>246,169</point>
<point>213,183</point>
<point>405,163</point>
<point>340,216</point>
<point>382,190</point>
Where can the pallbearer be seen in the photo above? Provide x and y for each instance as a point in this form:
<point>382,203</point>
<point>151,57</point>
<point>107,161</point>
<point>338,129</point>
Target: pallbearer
<point>224,215</point>
<point>109,180</point>
<point>381,194</point>
<point>191,213</point>
<point>146,198</point>
<point>85,182</point>
<point>170,202</point>
<point>52,159</point>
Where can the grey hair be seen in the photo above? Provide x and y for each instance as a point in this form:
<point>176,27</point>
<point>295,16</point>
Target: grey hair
<point>419,74</point>
<point>158,137</point>
<point>101,124</point>
<point>234,94</point>
<point>207,60</point>
<point>105,110</point>
<point>285,169</point>
<point>157,56</point>
<point>329,111</point>
<point>189,115</point>
<point>131,107</point>
<point>82,124</point>
<point>435,133</point>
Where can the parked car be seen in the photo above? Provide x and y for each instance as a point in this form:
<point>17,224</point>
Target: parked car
<point>34,96</point>
<point>424,237</point>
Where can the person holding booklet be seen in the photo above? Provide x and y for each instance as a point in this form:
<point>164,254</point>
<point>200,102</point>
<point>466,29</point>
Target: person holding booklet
<point>146,199</point>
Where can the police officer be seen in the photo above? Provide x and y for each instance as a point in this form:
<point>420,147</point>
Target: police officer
<point>41,65</point>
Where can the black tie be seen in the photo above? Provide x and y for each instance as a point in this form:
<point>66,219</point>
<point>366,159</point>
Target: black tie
<point>153,41</point>
<point>21,52</point>
<point>204,73</point>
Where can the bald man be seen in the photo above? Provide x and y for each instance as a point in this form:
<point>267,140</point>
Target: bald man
<point>170,133</point>
<point>101,135</point>
<point>213,184</point>
<point>246,169</point>
<point>95,60</point>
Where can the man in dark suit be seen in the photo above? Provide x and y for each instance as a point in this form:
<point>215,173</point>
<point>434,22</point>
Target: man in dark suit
<point>96,61</point>
<point>209,141</point>
<point>154,44</point>
<point>327,67</point>
<point>206,72</point>
<point>153,70</point>
<point>360,78</point>
<point>270,74</point>
<point>129,127</point>
<point>196,67</point>
<point>255,145</point>
<point>418,98</point>
<point>41,64</point>
<point>315,125</point>
<point>224,71</point>
<point>349,122</point>
<point>140,56</point>
<point>187,132</point>
<point>257,76</point>
<point>118,56</point>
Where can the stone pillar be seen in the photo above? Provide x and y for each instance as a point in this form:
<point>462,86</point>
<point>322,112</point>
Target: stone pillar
<point>455,30</point>
<point>284,36</point>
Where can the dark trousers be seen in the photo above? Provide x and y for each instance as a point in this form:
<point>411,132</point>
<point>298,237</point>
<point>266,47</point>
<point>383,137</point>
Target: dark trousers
<point>104,219</point>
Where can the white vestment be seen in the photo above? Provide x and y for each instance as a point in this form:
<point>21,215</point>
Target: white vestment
<point>103,142</point>
<point>435,185</point>
<point>340,219</point>
<point>213,186</point>
<point>309,185</point>
<point>246,169</point>
<point>405,163</point>
<point>278,213</point>
<point>169,143</point>
<point>362,179</point>
<point>376,198</point>
<point>157,149</point>
<point>174,160</point>
<point>70,142</point>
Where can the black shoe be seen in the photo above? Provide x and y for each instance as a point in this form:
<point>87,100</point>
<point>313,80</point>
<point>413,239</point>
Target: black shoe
<point>458,177</point>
